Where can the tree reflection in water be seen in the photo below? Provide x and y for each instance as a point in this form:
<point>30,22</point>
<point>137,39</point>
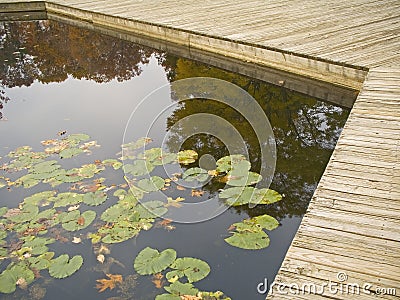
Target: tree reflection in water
<point>305,128</point>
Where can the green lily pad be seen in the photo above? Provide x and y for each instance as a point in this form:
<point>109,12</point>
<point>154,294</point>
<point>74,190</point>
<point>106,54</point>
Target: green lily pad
<point>226,163</point>
<point>116,164</point>
<point>25,214</point>
<point>249,233</point>
<point>88,171</point>
<point>10,276</point>
<point>45,167</point>
<point>151,209</point>
<point>193,268</point>
<point>180,289</point>
<point>237,196</point>
<point>139,167</point>
<point>78,137</point>
<point>151,184</point>
<point>113,213</point>
<point>218,295</point>
<point>249,240</point>
<point>140,143</point>
<point>193,174</point>
<point>68,198</point>
<point>95,198</point>
<point>167,297</point>
<point>28,180</point>
<point>73,220</point>
<point>151,261</point>
<point>41,197</point>
<point>187,157</point>
<point>37,244</point>
<point>70,152</point>
<point>63,266</point>
<point>240,179</point>
<point>41,262</point>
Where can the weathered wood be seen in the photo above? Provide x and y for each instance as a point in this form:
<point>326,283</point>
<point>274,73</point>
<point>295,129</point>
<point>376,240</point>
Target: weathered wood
<point>352,223</point>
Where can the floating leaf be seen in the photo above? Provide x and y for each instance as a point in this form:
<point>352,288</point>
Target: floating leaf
<point>88,171</point>
<point>226,163</point>
<point>139,167</point>
<point>41,197</point>
<point>239,179</point>
<point>180,289</point>
<point>151,209</point>
<point>41,262</point>
<point>73,221</point>
<point>78,137</point>
<point>10,276</point>
<point>187,156</point>
<point>45,167</point>
<point>151,261</point>
<point>110,283</point>
<point>70,152</point>
<point>249,233</point>
<point>151,184</point>
<point>237,196</point>
<point>62,266</point>
<point>193,174</point>
<point>65,199</point>
<point>116,164</point>
<point>193,268</point>
<point>249,240</point>
<point>94,199</point>
<point>168,297</point>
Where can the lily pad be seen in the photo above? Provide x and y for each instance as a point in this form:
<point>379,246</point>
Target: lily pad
<point>237,196</point>
<point>240,179</point>
<point>116,164</point>
<point>187,157</point>
<point>41,262</point>
<point>193,174</point>
<point>151,261</point>
<point>139,167</point>
<point>73,220</point>
<point>10,276</point>
<point>249,240</point>
<point>168,297</point>
<point>249,233</point>
<point>151,184</point>
<point>70,152</point>
<point>41,197</point>
<point>78,137</point>
<point>151,209</point>
<point>68,198</point>
<point>193,268</point>
<point>180,289</point>
<point>95,198</point>
<point>44,167</point>
<point>226,163</point>
<point>63,266</point>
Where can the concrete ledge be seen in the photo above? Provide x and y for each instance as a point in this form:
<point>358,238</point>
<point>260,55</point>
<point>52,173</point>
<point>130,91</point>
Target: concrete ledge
<point>311,67</point>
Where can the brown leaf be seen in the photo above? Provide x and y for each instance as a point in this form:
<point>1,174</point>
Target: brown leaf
<point>190,297</point>
<point>158,280</point>
<point>197,193</point>
<point>104,284</point>
<point>181,188</point>
<point>62,132</point>
<point>81,221</point>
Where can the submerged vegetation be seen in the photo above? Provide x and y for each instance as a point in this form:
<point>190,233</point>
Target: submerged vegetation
<point>70,202</point>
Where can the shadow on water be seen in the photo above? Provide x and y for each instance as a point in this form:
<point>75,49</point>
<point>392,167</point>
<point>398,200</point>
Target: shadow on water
<point>305,128</point>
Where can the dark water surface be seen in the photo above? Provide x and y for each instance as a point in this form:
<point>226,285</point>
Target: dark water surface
<point>55,77</point>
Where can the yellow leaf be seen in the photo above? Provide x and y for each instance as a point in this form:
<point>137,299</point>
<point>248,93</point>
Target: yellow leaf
<point>76,240</point>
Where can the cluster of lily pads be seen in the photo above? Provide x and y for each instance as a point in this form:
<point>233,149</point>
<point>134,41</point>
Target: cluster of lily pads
<point>41,218</point>
<point>150,261</point>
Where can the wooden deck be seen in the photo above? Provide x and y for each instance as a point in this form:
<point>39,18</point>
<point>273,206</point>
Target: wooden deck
<point>352,224</point>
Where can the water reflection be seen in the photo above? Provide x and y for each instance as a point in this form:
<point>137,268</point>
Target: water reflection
<point>305,128</point>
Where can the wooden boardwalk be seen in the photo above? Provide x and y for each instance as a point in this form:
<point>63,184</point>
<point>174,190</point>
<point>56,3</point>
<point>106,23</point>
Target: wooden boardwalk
<point>352,226</point>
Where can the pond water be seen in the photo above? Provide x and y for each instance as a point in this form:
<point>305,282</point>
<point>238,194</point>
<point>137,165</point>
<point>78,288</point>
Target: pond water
<point>58,80</point>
